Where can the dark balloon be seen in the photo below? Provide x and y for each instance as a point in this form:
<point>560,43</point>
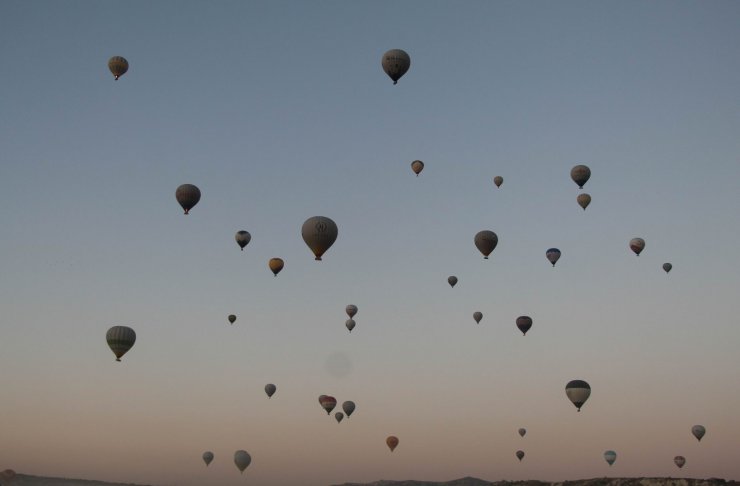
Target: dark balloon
<point>610,457</point>
<point>584,200</point>
<point>578,392</point>
<point>118,66</point>
<point>498,180</point>
<point>524,323</point>
<point>242,459</point>
<point>391,442</point>
<point>520,455</point>
<point>395,63</point>
<point>327,403</point>
<point>553,255</point>
<point>486,242</point>
<point>232,318</point>
<point>319,233</point>
<point>348,407</point>
<point>667,267</point>
<point>120,339</point>
<point>339,416</point>
<point>637,245</point>
<point>270,389</point>
<point>477,316</point>
<point>698,431</point>
<point>522,431</point>
<point>452,280</point>
<point>679,461</point>
<point>276,264</point>
<point>350,324</point>
<point>580,175</point>
<point>188,196</point>
<point>242,238</point>
<point>417,166</point>
<point>207,457</point>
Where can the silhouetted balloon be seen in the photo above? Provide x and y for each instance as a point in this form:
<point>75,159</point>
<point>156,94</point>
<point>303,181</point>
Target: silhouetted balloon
<point>637,245</point>
<point>578,392</point>
<point>553,255</point>
<point>417,166</point>
<point>524,323</point>
<point>584,200</point>
<point>520,455</point>
<point>452,280</point>
<point>392,442</point>
<point>477,315</point>
<point>339,416</point>
<point>242,459</point>
<point>610,457</point>
<point>580,175</point>
<point>351,310</point>
<point>327,403</point>
<point>348,407</point>
<point>498,180</point>
<point>270,389</point>
<point>207,457</point>
<point>118,66</point>
<point>350,324</point>
<point>188,196</point>
<point>319,233</point>
<point>667,267</point>
<point>698,431</point>
<point>395,63</point>
<point>486,242</point>
<point>679,461</point>
<point>120,339</point>
<point>242,238</point>
<point>232,318</point>
<point>522,431</point>
<point>276,264</point>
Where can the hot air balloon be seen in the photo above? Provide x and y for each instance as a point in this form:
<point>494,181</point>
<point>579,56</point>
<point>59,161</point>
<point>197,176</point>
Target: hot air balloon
<point>242,459</point>
<point>553,255</point>
<point>207,457</point>
<point>392,442</point>
<point>350,324</point>
<point>327,403</point>
<point>477,316</point>
<point>610,457</point>
<point>118,66</point>
<point>417,166</point>
<point>498,180</point>
<point>395,64</point>
<point>580,175</point>
<point>188,196</point>
<point>276,264</point>
<point>698,431</point>
<point>486,242</point>
<point>351,310</point>
<point>120,339</point>
<point>348,407</point>
<point>270,389</point>
<point>522,431</point>
<point>232,318</point>
<point>578,392</point>
<point>679,461</point>
<point>520,455</point>
<point>667,267</point>
<point>319,233</point>
<point>339,416</point>
<point>242,238</point>
<point>584,200</point>
<point>637,245</point>
<point>524,323</point>
<point>452,280</point>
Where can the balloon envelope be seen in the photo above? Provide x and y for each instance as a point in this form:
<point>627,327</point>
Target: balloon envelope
<point>276,264</point>
<point>319,233</point>
<point>667,267</point>
<point>498,180</point>
<point>477,316</point>
<point>486,242</point>
<point>679,461</point>
<point>584,200</point>
<point>392,442</point>
<point>417,166</point>
<point>270,389</point>
<point>578,392</point>
<point>520,455</point>
<point>188,196</point>
<point>637,245</point>
<point>351,310</point>
<point>698,431</point>
<point>553,255</point>
<point>120,339</point>
<point>232,318</point>
<point>327,403</point>
<point>396,63</point>
<point>339,416</point>
<point>524,323</point>
<point>580,175</point>
<point>242,238</point>
<point>610,457</point>
<point>348,407</point>
<point>522,431</point>
<point>118,66</point>
<point>207,457</point>
<point>242,459</point>
<point>350,324</point>
<point>452,280</point>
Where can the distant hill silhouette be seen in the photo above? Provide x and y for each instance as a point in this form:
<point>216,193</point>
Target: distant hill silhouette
<point>468,481</point>
<point>27,480</point>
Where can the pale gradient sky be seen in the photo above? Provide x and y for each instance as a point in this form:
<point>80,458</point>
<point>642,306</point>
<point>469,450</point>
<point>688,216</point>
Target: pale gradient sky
<point>280,111</point>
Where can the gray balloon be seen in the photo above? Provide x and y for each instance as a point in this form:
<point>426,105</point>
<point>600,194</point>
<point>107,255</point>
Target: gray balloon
<point>242,238</point>
<point>120,339</point>
<point>270,389</point>
<point>580,175</point>
<point>637,245</point>
<point>698,431</point>
<point>348,407</point>
<point>477,316</point>
<point>583,200</point>
<point>679,461</point>
<point>339,416</point>
<point>610,457</point>
<point>242,459</point>
<point>350,324</point>
<point>351,310</point>
<point>486,242</point>
<point>207,457</point>
<point>396,63</point>
<point>667,267</point>
<point>188,196</point>
<point>520,455</point>
<point>578,392</point>
<point>319,233</point>
<point>522,431</point>
<point>232,318</point>
<point>452,280</point>
<point>498,180</point>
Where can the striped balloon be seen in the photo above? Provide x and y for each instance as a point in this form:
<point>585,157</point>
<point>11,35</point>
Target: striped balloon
<point>120,339</point>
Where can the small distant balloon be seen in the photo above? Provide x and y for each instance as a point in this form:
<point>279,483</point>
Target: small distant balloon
<point>580,175</point>
<point>319,233</point>
<point>232,318</point>
<point>698,431</point>
<point>276,264</point>
<point>327,403</point>
<point>524,323</point>
<point>667,267</point>
<point>637,245</point>
<point>351,310</point>
<point>242,459</point>
<point>578,392</point>
<point>270,389</point>
<point>392,442</point>
<point>417,166</point>
<point>339,416</point>
<point>553,255</point>
<point>520,455</point>
<point>120,339</point>
<point>348,407</point>
<point>584,200</point>
<point>207,457</point>
<point>242,238</point>
<point>679,461</point>
<point>610,457</point>
<point>350,324</point>
<point>452,280</point>
<point>522,432</point>
<point>477,316</point>
<point>118,66</point>
<point>486,242</point>
<point>498,180</point>
<point>187,196</point>
<point>396,63</point>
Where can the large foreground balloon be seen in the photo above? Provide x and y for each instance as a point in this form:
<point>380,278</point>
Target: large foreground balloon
<point>350,324</point>
<point>522,431</point>
<point>120,339</point>
<point>417,166</point>
<point>270,389</point>
<point>553,255</point>
<point>477,315</point>
<point>498,180</point>
<point>242,459</point>
<point>351,310</point>
<point>584,200</point>
<point>578,392</point>
<point>524,323</point>
<point>395,63</point>
<point>667,267</point>
<point>392,442</point>
<point>679,461</point>
<point>242,238</point>
<point>452,280</point>
<point>610,457</point>
<point>348,407</point>
<point>319,233</point>
<point>486,242</point>
<point>188,196</point>
<point>276,264</point>
<point>637,245</point>
<point>118,66</point>
<point>207,457</point>
<point>698,431</point>
<point>580,175</point>
<point>232,318</point>
<point>327,403</point>
<point>520,455</point>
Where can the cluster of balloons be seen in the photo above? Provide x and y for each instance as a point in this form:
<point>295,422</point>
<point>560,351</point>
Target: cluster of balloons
<point>351,310</point>
<point>328,403</point>
<point>242,459</point>
<point>580,175</point>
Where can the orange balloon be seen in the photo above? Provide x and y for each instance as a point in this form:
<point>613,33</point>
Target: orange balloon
<point>276,264</point>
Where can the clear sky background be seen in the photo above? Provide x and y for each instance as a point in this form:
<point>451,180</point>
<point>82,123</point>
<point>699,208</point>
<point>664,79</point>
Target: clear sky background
<point>280,111</point>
